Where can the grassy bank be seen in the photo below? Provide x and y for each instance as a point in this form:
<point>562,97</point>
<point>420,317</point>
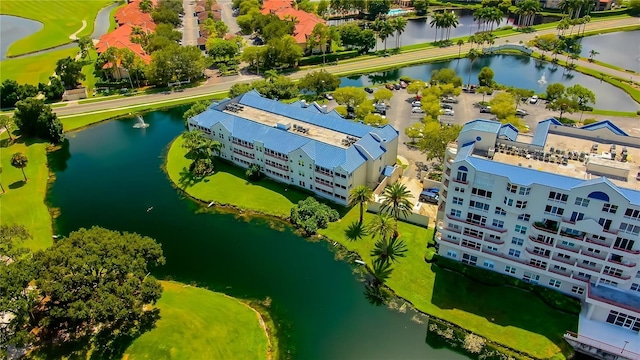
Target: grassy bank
<point>33,69</point>
<point>23,202</point>
<point>492,312</point>
<point>229,186</point>
<point>200,324</point>
<point>60,18</point>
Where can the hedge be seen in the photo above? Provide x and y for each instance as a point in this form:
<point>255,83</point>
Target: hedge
<point>317,59</point>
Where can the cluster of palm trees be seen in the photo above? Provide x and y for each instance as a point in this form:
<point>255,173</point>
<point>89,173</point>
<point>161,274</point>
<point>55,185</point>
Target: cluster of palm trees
<point>444,21</point>
<point>487,17</point>
<point>388,248</point>
<point>574,8</point>
<point>527,11</point>
<point>568,23</point>
<point>384,28</point>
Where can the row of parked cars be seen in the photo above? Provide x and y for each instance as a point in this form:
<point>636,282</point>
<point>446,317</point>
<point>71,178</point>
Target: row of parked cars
<point>445,105</point>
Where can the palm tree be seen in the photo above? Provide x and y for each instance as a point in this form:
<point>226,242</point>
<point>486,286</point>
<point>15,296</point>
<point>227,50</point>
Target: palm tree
<point>460,43</point>
<point>270,75</point>
<point>480,16</point>
<point>389,250</point>
<point>395,200</point>
<point>385,31</point>
<point>6,123</point>
<point>563,25</point>
<point>1,187</point>
<point>399,24</point>
<point>586,19</point>
<point>473,54</point>
<point>355,231</point>
<point>592,54</point>
<point>449,20</point>
<point>377,27</point>
<point>436,20</point>
<point>19,161</point>
<point>361,194</point>
<point>494,16</point>
<point>381,226</point>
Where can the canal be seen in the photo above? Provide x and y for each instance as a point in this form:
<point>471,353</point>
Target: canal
<point>113,174</point>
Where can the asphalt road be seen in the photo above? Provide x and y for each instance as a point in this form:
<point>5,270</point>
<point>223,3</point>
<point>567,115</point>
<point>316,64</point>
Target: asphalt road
<point>342,68</point>
<point>190,30</point>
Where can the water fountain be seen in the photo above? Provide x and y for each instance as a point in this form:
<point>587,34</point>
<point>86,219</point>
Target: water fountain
<point>140,124</point>
<point>542,80</point>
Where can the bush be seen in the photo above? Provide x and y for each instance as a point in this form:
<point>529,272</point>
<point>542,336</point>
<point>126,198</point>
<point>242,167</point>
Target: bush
<point>592,120</point>
<point>430,254</point>
<point>201,167</point>
<point>407,79</point>
<point>638,112</point>
<point>253,172</point>
<point>310,215</point>
<point>317,59</point>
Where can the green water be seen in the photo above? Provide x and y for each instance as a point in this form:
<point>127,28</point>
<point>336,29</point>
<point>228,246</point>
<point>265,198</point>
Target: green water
<point>113,175</point>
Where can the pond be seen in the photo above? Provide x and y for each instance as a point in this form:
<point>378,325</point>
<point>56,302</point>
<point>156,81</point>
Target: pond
<point>12,29</point>
<point>619,48</point>
<point>511,70</point>
<point>113,174</point>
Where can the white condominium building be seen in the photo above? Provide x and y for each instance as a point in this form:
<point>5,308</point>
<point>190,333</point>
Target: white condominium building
<point>300,144</point>
<point>561,209</point>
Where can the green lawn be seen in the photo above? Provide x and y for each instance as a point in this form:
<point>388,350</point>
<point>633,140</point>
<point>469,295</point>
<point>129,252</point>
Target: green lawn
<point>200,324</point>
<point>33,69</point>
<point>88,71</point>
<point>229,186</point>
<point>508,316</point>
<point>23,203</point>
<point>61,18</point>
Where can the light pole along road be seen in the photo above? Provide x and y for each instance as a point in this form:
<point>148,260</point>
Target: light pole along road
<point>344,68</point>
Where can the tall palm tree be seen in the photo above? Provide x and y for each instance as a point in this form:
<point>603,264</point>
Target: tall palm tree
<point>19,161</point>
<point>377,27</point>
<point>382,226</point>
<point>494,16</point>
<point>586,19</point>
<point>592,54</point>
<point>361,195</point>
<point>385,32</point>
<point>436,20</point>
<point>480,16</point>
<point>389,250</point>
<point>473,54</point>
<point>399,24</point>
<point>563,25</point>
<point>460,43</point>
<point>449,20</point>
<point>355,231</point>
<point>395,200</point>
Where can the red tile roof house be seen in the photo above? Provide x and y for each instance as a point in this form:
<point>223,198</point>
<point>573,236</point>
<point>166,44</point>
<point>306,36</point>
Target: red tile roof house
<point>305,22</point>
<point>127,17</point>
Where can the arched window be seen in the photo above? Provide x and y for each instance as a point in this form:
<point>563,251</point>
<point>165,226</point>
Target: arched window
<point>461,176</point>
<point>599,195</point>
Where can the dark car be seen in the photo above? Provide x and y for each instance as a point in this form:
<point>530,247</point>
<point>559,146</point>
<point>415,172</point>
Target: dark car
<point>446,106</point>
<point>432,190</point>
<point>429,197</point>
<point>369,90</point>
<point>397,86</point>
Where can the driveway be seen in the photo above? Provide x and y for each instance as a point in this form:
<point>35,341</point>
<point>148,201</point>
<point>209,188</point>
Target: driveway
<point>228,18</point>
<point>190,29</point>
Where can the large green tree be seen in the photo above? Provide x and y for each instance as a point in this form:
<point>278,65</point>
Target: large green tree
<point>70,72</point>
<point>175,63</point>
<point>435,139</point>
<point>378,7</point>
<point>34,118</point>
<point>310,215</point>
<point>485,77</point>
<point>319,82</point>
<point>6,123</point>
<point>85,44</point>
<point>350,95</point>
<point>554,91</point>
<point>222,50</point>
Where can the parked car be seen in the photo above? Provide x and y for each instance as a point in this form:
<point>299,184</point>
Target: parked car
<point>368,90</point>
<point>432,190</point>
<point>485,109</point>
<point>403,84</point>
<point>447,112</point>
<point>390,86</point>
<point>521,112</point>
<point>417,110</point>
<point>397,86</point>
<point>533,99</point>
<point>450,100</point>
<point>328,96</point>
<point>446,106</point>
<point>416,103</point>
<point>428,197</point>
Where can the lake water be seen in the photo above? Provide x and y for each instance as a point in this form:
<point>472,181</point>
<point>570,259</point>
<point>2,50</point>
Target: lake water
<point>511,70</point>
<point>620,48</point>
<point>112,175</point>
<point>12,29</point>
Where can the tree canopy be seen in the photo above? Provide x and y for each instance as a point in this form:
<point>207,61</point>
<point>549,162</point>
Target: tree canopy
<point>319,82</point>
<point>34,118</point>
<point>350,95</point>
<point>70,72</point>
<point>435,139</point>
<point>310,215</point>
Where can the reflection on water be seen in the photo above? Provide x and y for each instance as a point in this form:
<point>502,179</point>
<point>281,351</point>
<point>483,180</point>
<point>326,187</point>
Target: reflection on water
<point>620,48</point>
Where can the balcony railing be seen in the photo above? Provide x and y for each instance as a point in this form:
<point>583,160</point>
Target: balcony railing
<point>329,186</point>
<point>541,227</point>
<point>563,260</point>
<point>501,255</point>
<point>572,236</point>
<point>447,172</point>
<point>568,248</point>
<point>540,241</point>
<point>593,255</point>
<point>611,231</point>
<point>568,221</point>
<point>588,267</point>
<point>444,238</point>
<point>493,241</point>
<point>446,183</point>
<point>248,146</point>
<point>277,166</point>
<point>248,156</point>
<point>580,278</point>
<point>628,263</point>
<point>474,224</point>
<point>622,277</point>
<point>560,272</point>
<point>283,158</point>
<point>635,252</point>
<point>533,252</point>
<point>537,266</point>
<point>602,243</point>
<point>607,348</point>
<point>460,181</point>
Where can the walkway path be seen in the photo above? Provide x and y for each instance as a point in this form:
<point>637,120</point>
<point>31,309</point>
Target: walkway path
<point>74,36</point>
<point>344,68</point>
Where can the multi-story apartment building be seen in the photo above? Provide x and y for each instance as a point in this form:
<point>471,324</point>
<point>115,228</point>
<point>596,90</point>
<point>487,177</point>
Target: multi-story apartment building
<point>300,144</point>
<point>561,209</point>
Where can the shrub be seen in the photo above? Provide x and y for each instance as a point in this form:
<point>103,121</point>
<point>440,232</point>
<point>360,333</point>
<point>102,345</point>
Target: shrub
<point>310,215</point>
<point>253,172</point>
<point>430,254</point>
<point>638,112</point>
<point>407,79</point>
<point>201,167</point>
<point>473,343</point>
<point>592,120</point>
<point>317,59</point>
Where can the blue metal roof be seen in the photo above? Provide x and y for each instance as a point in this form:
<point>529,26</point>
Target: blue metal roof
<point>371,145</point>
<point>388,170</point>
<point>605,124</point>
<point>542,130</point>
<point>508,131</point>
<point>482,125</point>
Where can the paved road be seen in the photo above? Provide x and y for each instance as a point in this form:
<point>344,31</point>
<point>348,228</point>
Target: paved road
<point>190,31</point>
<point>227,16</point>
<point>394,60</point>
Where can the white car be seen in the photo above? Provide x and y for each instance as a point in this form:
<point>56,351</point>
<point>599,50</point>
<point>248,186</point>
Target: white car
<point>447,112</point>
<point>534,99</point>
<point>416,103</point>
<point>417,110</point>
<point>328,96</point>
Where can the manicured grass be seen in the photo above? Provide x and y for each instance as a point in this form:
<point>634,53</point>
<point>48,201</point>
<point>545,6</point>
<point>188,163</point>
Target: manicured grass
<point>88,70</point>
<point>61,18</point>
<point>228,185</point>
<point>112,20</point>
<point>505,315</point>
<point>200,324</point>
<point>613,113</point>
<point>33,69</point>
<point>23,203</point>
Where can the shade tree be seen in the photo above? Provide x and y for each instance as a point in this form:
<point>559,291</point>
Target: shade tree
<point>503,105</point>
<point>309,215</point>
<point>19,161</point>
<point>435,139</point>
<point>34,118</point>
<point>319,82</point>
<point>350,95</point>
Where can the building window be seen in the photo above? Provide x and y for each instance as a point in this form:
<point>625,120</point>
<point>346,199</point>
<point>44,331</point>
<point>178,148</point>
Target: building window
<point>500,211</point>
<point>576,216</point>
<point>473,233</point>
<point>514,253</point>
<point>492,248</point>
<point>638,274</point>
<point>457,201</point>
<point>452,254</point>
<point>623,320</point>
<point>459,189</point>
<point>469,259</point>
<point>471,244</point>
<point>524,190</point>
<point>494,237</point>
<point>521,229</point>
<point>556,196</point>
<point>610,208</point>
<point>481,193</point>
<point>632,213</point>
<point>488,264</point>
<point>629,228</point>
<point>509,269</point>
<point>538,263</point>
<point>517,241</point>
<point>622,243</point>
<point>512,188</point>
<point>568,244</point>
<point>461,176</point>
<point>479,205</point>
<point>555,283</point>
<point>531,278</point>
<point>553,210</point>
<point>507,201</point>
<point>582,202</point>
<point>456,213</point>
<point>524,217</point>
<point>521,204</point>
<point>608,282</point>
<point>635,287</point>
<point>577,290</point>
<point>608,270</point>
<point>476,219</point>
<point>498,223</point>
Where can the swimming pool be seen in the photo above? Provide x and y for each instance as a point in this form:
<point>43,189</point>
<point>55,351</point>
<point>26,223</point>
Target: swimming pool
<point>397,12</point>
